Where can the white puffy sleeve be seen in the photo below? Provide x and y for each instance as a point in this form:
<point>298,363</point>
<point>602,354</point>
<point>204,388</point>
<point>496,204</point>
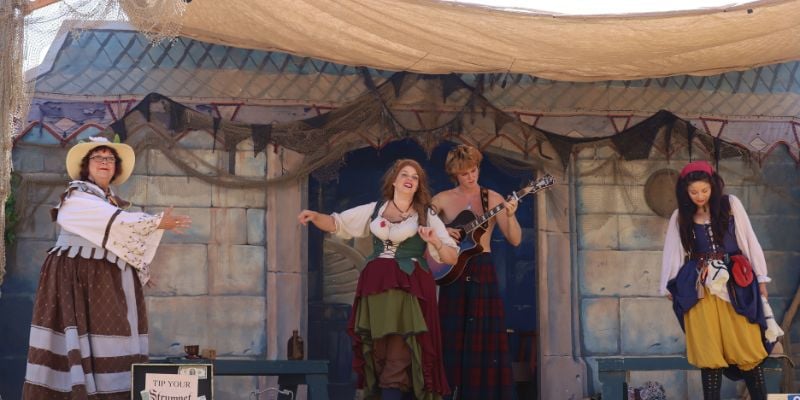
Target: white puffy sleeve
<point>672,258</point>
<point>132,236</point>
<point>441,231</point>
<point>353,222</point>
<point>747,241</point>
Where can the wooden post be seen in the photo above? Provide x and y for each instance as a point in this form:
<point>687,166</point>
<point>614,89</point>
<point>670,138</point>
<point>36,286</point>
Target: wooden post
<point>788,382</point>
<point>287,269</point>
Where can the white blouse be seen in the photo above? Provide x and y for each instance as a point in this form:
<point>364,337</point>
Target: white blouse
<point>355,222</point>
<point>672,258</point>
<point>131,236</point>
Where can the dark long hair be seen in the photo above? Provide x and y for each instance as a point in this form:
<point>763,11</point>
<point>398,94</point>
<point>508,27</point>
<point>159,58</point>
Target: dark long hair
<point>422,197</point>
<point>85,162</point>
<point>719,207</point>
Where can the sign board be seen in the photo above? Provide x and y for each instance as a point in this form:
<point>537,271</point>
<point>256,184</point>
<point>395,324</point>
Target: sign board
<point>172,381</point>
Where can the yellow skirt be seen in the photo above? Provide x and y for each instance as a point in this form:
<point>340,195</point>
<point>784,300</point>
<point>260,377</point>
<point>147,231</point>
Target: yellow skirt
<point>716,336</point>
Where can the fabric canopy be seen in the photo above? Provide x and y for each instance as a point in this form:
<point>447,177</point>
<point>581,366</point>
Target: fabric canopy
<point>435,37</point>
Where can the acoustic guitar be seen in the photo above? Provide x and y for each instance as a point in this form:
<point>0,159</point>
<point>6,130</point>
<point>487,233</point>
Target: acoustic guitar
<point>472,229</point>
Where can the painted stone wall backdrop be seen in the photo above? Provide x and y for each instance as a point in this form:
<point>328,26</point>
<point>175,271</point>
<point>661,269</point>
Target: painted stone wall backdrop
<point>620,242</point>
<point>210,282</point>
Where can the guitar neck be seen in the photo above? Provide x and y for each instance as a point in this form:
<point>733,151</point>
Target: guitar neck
<point>478,221</point>
<point>543,183</point>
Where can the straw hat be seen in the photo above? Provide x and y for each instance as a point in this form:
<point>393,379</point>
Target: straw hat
<point>80,150</point>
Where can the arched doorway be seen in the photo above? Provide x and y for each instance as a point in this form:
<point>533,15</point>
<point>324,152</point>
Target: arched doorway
<point>333,265</point>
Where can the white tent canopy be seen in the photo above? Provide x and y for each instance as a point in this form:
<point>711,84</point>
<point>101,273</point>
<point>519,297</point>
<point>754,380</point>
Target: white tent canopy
<point>438,37</point>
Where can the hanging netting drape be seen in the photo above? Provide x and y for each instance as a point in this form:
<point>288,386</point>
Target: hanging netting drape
<point>13,97</point>
<point>425,108</point>
<point>27,29</point>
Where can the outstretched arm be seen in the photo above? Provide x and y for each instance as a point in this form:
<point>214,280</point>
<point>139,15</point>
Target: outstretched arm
<point>322,221</point>
<point>174,222</point>
<point>132,236</point>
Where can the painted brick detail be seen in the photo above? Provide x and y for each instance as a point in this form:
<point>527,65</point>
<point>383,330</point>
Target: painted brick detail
<point>600,324</point>
<point>649,327</point>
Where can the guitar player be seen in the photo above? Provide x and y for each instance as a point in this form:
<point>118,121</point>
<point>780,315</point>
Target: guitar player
<point>475,342</point>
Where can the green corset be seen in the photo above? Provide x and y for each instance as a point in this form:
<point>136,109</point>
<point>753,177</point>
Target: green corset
<point>413,247</point>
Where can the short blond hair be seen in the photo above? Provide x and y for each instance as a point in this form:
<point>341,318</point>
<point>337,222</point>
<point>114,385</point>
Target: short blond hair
<point>460,159</point>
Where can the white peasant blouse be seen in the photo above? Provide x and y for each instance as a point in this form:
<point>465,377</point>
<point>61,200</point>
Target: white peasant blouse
<point>355,222</point>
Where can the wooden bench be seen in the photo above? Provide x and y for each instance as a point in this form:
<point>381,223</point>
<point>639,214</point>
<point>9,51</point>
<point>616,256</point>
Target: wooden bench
<point>614,372</point>
<point>313,373</point>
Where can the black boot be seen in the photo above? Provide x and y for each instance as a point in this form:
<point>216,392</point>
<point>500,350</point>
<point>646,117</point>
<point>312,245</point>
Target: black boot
<point>754,379</point>
<point>712,383</point>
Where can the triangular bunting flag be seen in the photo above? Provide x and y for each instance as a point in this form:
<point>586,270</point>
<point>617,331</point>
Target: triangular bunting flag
<point>216,122</point>
<point>118,108</point>
<point>562,145</point>
<point>227,111</point>
<point>620,123</point>
<point>317,122</point>
<point>691,130</point>
<point>500,120</point>
<point>144,106</point>
<point>529,119</point>
<point>635,143</point>
<point>261,134</point>
<point>450,84</point>
<point>397,82</point>
<point>714,127</point>
<point>119,128</point>
<point>177,117</point>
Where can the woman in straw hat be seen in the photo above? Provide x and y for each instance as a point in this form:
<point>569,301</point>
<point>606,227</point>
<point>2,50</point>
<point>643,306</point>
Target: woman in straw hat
<point>715,273</point>
<point>89,318</point>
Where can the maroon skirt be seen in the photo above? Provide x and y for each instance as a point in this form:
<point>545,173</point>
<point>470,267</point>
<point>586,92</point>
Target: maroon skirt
<point>381,275</point>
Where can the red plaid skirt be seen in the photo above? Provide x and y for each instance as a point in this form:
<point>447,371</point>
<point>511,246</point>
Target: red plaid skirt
<point>476,352</point>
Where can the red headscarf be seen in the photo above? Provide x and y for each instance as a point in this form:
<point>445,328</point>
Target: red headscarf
<point>694,166</point>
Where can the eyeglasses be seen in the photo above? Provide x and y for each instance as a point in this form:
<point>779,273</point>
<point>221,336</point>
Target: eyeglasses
<point>104,160</point>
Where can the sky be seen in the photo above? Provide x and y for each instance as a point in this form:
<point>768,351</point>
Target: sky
<point>42,26</point>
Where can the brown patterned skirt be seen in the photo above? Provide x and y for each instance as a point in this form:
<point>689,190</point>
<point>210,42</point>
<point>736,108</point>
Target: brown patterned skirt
<point>89,325</point>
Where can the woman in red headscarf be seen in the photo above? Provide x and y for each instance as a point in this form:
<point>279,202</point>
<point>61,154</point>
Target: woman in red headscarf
<point>715,273</point>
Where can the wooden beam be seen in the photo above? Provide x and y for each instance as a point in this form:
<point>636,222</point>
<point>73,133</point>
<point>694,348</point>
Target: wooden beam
<point>33,5</point>
<point>788,317</point>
